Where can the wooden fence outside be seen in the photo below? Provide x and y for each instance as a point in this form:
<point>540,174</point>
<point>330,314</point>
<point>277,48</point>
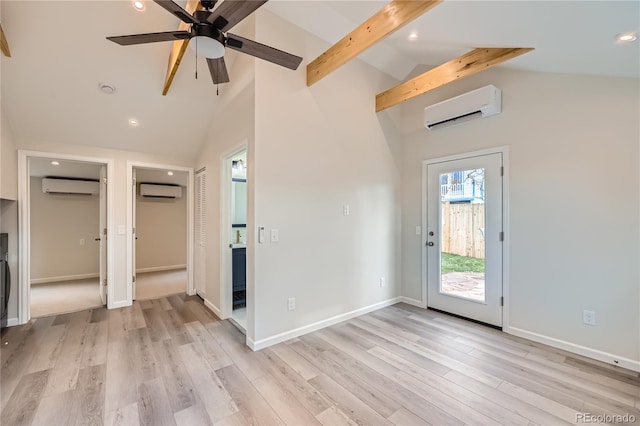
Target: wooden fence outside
<point>463,229</point>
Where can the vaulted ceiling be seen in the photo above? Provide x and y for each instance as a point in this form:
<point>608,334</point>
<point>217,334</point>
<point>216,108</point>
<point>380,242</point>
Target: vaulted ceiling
<point>60,55</point>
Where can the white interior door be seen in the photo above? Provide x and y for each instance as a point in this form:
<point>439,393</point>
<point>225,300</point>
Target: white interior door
<point>464,237</point>
<point>103,234</point>
<point>134,196</point>
<point>200,232</point>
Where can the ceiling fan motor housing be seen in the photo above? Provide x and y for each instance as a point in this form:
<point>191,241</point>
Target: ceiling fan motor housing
<point>208,4</point>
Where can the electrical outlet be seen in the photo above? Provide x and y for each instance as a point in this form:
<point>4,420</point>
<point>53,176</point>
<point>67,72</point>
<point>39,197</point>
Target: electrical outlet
<point>346,210</point>
<point>291,303</point>
<point>589,317</point>
<point>382,283</point>
<point>82,241</point>
<point>418,230</point>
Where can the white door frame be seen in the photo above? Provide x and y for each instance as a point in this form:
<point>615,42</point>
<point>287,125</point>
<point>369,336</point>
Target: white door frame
<point>504,150</point>
<point>226,258</point>
<point>129,222</point>
<point>24,226</point>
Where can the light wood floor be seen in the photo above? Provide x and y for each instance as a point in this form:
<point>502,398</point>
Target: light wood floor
<point>170,361</point>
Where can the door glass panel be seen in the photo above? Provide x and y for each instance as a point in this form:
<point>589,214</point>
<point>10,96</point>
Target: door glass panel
<point>462,243</point>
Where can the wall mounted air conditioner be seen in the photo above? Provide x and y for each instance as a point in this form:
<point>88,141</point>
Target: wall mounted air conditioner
<point>157,190</point>
<point>479,103</point>
<point>70,186</point>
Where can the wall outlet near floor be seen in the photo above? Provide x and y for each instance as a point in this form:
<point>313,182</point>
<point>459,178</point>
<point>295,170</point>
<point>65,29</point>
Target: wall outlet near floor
<point>291,304</point>
<point>589,317</point>
<point>346,210</point>
<point>382,282</point>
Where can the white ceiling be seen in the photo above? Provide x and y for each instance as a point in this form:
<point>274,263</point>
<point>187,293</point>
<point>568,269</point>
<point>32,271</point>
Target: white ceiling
<point>42,167</point>
<point>60,55</point>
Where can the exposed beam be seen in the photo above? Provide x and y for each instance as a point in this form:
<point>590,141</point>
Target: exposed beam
<point>4,44</point>
<point>179,47</point>
<point>390,18</point>
<point>468,64</point>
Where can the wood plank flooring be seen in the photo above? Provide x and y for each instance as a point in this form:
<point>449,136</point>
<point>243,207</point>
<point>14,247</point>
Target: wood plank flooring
<point>172,362</point>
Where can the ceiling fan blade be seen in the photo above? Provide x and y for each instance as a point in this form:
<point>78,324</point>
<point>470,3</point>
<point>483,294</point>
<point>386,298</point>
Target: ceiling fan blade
<point>4,44</point>
<point>176,10</point>
<point>263,51</point>
<point>128,40</point>
<point>218,70</point>
<point>232,12</point>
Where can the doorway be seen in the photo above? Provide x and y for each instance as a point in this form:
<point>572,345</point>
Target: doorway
<point>166,185</point>
<point>160,230</point>
<point>64,234</point>
<point>237,236</point>
<point>464,241</point>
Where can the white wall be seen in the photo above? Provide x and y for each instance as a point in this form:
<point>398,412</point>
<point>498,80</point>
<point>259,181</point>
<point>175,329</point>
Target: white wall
<point>317,149</point>
<point>8,162</point>
<point>58,223</point>
<point>574,200</point>
<point>161,228</point>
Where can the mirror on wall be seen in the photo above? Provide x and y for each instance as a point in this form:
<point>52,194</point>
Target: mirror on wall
<point>239,201</point>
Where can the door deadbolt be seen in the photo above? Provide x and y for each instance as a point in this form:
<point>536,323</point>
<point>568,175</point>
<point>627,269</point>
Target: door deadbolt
<point>431,233</point>
<point>430,243</point>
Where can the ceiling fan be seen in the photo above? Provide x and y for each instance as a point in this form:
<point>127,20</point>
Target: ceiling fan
<point>208,35</point>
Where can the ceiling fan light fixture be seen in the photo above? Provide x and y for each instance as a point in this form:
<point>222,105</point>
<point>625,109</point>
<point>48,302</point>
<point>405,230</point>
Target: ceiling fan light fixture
<point>207,47</point>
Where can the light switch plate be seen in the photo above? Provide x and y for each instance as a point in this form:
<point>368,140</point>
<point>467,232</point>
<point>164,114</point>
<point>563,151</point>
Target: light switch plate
<point>121,230</point>
<point>275,236</point>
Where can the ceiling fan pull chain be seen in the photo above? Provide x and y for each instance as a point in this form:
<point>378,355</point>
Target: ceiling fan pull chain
<point>218,79</point>
<point>196,58</point>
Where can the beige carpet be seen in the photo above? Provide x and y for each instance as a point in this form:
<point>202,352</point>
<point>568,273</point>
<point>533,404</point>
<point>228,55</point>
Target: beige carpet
<point>154,285</point>
<point>71,296</point>
<point>64,296</point>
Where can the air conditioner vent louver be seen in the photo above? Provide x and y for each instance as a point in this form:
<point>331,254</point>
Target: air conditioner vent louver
<point>62,186</point>
<point>483,102</point>
<point>156,190</point>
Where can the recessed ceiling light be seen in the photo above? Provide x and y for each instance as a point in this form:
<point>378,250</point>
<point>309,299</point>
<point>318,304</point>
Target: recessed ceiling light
<point>170,173</point>
<point>133,122</point>
<point>55,163</point>
<point>413,36</point>
<point>626,37</point>
<point>138,5</point>
<point>107,88</point>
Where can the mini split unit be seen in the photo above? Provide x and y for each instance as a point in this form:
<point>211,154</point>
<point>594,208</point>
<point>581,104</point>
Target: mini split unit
<point>156,190</point>
<point>58,186</point>
<point>483,102</point>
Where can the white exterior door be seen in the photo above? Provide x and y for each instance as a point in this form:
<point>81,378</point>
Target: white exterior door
<point>464,237</point>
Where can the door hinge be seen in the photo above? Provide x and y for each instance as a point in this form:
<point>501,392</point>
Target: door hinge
<point>104,180</point>
<point>134,230</point>
<point>501,237</point>
<point>133,279</point>
<point>104,282</point>
<point>502,171</point>
<point>501,300</point>
<point>104,231</point>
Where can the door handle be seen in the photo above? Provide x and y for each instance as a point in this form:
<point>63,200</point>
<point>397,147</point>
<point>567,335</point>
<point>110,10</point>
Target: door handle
<point>96,239</point>
<point>430,243</point>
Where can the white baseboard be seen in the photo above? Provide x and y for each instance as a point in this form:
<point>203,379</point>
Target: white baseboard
<point>160,268</point>
<point>213,308</point>
<point>605,357</point>
<point>278,338</point>
<point>414,302</point>
<point>64,278</point>
<point>120,304</point>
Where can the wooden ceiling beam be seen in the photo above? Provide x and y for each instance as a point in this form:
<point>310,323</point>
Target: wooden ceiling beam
<point>179,47</point>
<point>389,19</point>
<point>4,44</point>
<point>468,64</point>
